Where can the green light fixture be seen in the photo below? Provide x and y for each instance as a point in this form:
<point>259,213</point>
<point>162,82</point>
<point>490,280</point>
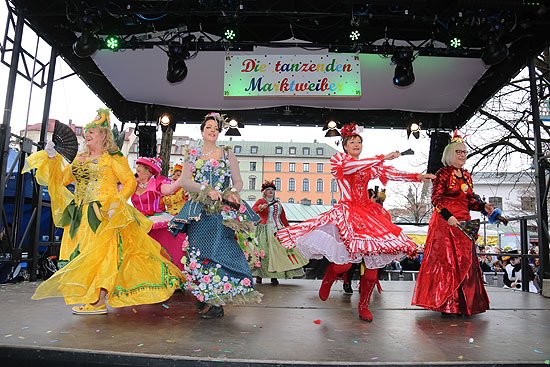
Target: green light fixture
<point>230,34</point>
<point>354,35</point>
<point>112,43</point>
<point>456,42</point>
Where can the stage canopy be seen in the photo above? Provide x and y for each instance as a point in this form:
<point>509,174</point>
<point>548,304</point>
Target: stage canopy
<point>443,41</point>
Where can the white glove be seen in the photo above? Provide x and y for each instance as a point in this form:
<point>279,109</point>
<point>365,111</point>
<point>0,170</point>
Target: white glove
<point>50,149</point>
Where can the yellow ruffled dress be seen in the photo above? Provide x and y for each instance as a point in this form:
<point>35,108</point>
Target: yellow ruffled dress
<point>105,238</point>
<point>173,203</point>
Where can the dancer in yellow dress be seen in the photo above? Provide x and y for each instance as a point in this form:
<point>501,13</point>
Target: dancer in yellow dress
<point>105,239</point>
<point>173,203</point>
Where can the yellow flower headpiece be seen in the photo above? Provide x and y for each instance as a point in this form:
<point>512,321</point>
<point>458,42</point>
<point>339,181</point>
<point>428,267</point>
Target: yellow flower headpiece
<point>102,119</point>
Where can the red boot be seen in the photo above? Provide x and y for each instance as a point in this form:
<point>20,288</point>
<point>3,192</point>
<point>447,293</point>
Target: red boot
<point>334,271</point>
<point>366,286</point>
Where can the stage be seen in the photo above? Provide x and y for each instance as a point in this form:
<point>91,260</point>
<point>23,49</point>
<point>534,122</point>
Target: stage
<point>292,327</point>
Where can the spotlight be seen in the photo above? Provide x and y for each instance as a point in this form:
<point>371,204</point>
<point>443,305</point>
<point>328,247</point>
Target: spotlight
<point>85,45</point>
<point>230,34</point>
<point>165,121</point>
<point>404,75</point>
<point>414,129</point>
<point>112,43</point>
<point>332,127</point>
<point>233,128</point>
<point>455,42</point>
<point>495,51</point>
<point>177,69</point>
<point>354,35</point>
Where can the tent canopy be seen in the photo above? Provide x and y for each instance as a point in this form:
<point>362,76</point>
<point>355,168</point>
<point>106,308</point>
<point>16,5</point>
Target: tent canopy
<point>451,83</point>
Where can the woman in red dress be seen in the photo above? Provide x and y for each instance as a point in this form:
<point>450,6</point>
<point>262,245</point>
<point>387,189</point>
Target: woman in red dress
<point>356,230</point>
<point>450,279</point>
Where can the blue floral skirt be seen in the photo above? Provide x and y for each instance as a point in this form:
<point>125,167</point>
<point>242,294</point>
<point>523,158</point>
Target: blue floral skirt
<point>216,268</point>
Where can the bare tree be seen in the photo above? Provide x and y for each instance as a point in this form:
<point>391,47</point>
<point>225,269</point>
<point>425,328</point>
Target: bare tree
<point>501,131</point>
<point>413,202</point>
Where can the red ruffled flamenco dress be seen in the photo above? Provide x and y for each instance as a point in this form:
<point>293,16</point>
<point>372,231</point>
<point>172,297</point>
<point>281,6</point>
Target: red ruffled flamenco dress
<point>355,230</point>
<point>450,278</point>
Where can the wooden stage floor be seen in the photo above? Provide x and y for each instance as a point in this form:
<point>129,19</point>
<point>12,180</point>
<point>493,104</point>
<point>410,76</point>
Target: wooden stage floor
<point>291,327</point>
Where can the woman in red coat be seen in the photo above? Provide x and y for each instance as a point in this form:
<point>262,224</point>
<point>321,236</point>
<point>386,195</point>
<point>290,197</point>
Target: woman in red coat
<point>450,279</point>
<point>277,262</point>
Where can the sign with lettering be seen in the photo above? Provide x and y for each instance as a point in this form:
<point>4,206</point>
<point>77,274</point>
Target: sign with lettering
<point>292,75</point>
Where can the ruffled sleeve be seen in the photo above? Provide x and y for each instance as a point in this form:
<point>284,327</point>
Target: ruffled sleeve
<point>257,204</point>
<point>53,173</point>
<point>124,175</point>
<point>439,188</point>
<point>343,164</point>
<point>388,173</point>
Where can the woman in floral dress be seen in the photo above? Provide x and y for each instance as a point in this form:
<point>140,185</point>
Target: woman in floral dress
<point>216,267</point>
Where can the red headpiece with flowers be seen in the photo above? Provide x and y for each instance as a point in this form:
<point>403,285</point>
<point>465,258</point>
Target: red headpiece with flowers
<point>457,138</point>
<point>268,184</point>
<point>349,130</point>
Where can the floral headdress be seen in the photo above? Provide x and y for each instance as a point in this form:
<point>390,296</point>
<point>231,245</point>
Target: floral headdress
<point>268,184</point>
<point>349,130</point>
<point>102,119</point>
<point>177,167</point>
<point>221,120</point>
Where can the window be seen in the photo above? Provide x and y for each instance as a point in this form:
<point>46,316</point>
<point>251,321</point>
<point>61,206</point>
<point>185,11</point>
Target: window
<point>320,151</point>
<point>134,148</point>
<point>252,183</point>
<point>278,150</point>
<point>305,151</point>
<point>253,150</point>
<point>291,200</point>
<point>305,202</point>
<point>306,167</point>
<point>333,202</point>
<point>320,167</point>
<point>237,149</point>
<point>333,186</point>
<point>174,149</point>
<point>305,185</point>
<point>319,201</point>
<point>292,150</point>
<point>320,185</point>
<point>278,184</point>
<point>292,167</point>
<point>252,166</point>
<point>496,200</point>
<point>277,166</point>
<point>251,198</point>
<point>78,131</point>
<point>291,184</point>
<point>528,203</point>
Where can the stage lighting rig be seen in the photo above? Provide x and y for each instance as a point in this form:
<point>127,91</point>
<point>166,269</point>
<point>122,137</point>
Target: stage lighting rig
<point>414,129</point>
<point>178,52</point>
<point>495,51</point>
<point>404,75</point>
<point>87,43</point>
<point>332,128</point>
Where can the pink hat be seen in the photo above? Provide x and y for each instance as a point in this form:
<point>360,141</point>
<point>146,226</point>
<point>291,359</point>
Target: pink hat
<point>152,163</point>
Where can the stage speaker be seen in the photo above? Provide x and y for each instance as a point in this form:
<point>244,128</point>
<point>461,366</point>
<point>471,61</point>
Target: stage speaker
<point>438,142</point>
<point>147,140</point>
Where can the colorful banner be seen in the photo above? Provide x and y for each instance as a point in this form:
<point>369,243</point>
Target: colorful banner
<point>292,76</point>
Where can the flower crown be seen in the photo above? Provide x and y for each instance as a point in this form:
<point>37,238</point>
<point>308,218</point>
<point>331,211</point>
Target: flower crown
<point>349,130</point>
<point>457,138</point>
<point>102,119</point>
<point>221,120</point>
<point>177,167</point>
<point>268,184</point>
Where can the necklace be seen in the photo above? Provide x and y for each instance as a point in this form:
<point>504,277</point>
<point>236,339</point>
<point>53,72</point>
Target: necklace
<point>142,185</point>
<point>208,153</point>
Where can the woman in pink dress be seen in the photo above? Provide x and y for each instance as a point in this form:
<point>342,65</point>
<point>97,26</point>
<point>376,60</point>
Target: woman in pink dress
<point>151,186</point>
<point>356,230</point>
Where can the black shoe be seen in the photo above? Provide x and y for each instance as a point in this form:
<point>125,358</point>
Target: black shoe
<point>274,281</point>
<point>258,280</point>
<point>213,312</point>
<point>347,288</point>
<point>446,315</point>
<point>199,306</point>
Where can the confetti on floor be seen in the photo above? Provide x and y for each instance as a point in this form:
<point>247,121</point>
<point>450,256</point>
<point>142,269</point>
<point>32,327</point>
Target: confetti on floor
<point>54,341</point>
<point>317,322</point>
<point>163,305</point>
<point>8,335</point>
<point>537,351</point>
<point>139,345</point>
<point>196,350</point>
<point>134,310</point>
<point>330,340</point>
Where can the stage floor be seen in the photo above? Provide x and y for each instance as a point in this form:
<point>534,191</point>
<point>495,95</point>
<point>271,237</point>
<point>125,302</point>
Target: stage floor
<point>291,327</point>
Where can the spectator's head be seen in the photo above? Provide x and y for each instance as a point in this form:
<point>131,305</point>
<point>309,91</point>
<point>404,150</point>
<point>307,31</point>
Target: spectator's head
<point>497,265</point>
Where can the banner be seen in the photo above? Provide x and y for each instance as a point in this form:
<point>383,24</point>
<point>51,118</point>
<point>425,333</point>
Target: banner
<point>292,76</point>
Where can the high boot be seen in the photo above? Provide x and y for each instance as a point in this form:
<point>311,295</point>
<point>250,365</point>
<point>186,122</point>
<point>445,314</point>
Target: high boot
<point>366,285</point>
<point>334,271</point>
